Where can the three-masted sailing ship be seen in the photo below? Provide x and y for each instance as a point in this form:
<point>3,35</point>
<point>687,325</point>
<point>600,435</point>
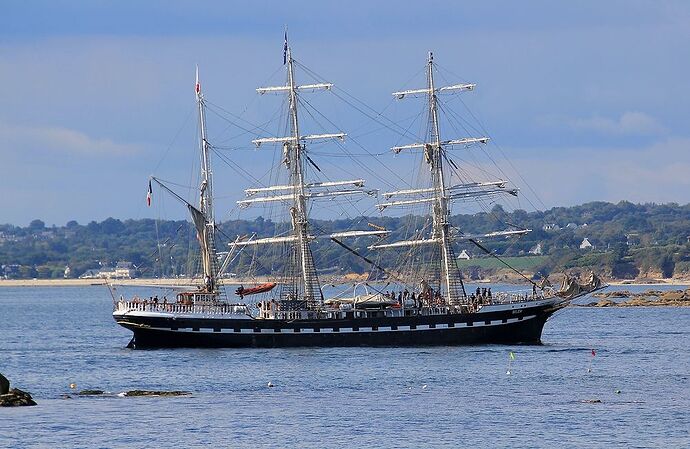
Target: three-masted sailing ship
<point>432,306</point>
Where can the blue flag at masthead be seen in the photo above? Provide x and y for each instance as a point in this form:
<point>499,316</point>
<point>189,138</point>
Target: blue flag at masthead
<point>285,48</point>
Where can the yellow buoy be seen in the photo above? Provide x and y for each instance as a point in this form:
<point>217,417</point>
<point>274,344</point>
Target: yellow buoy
<point>73,386</point>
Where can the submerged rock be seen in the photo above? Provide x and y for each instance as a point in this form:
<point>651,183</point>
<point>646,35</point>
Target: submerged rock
<point>91,392</point>
<point>614,294</point>
<point>130,393</point>
<point>15,398</point>
<point>134,393</point>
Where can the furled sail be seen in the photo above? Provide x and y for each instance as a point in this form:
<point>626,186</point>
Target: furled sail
<point>571,288</point>
<point>204,243</point>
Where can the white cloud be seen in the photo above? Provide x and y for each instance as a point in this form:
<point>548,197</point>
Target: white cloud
<point>654,173</point>
<point>59,141</point>
<point>629,123</point>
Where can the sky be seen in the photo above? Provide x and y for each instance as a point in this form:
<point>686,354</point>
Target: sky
<point>587,101</point>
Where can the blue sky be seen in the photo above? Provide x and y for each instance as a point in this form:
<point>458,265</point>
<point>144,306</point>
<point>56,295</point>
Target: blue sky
<point>588,100</point>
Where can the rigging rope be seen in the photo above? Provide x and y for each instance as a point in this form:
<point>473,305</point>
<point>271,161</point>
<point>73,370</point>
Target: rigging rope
<point>480,246</point>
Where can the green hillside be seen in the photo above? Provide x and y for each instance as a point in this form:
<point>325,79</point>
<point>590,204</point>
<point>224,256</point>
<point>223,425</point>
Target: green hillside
<point>624,241</point>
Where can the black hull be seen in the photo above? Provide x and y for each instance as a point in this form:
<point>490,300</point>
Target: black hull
<point>501,327</point>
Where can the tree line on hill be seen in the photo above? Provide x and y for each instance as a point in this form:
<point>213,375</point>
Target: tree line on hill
<point>623,240</point>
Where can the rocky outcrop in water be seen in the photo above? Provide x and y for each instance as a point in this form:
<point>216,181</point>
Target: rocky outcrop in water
<point>4,385</point>
<point>670,298</point>
<point>13,397</point>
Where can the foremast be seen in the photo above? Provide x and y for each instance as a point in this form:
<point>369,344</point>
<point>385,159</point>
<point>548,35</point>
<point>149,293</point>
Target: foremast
<point>441,212</point>
<point>440,195</point>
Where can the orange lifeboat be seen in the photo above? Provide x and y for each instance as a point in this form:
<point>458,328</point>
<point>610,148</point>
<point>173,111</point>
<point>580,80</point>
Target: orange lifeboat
<point>262,288</point>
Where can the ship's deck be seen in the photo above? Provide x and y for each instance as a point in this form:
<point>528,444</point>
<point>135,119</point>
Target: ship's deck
<point>271,310</point>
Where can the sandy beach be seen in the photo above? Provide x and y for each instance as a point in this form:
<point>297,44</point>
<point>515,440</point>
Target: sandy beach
<point>652,283</point>
<point>143,282</point>
<point>182,282</point>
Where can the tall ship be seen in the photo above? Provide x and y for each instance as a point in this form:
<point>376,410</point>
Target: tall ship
<point>415,294</point>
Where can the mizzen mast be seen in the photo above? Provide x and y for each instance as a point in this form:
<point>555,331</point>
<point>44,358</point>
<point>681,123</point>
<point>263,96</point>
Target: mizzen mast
<point>206,189</point>
<point>203,217</point>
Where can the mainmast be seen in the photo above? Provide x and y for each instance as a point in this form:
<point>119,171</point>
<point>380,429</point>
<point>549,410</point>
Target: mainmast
<point>298,211</point>
<point>440,194</point>
<point>298,192</point>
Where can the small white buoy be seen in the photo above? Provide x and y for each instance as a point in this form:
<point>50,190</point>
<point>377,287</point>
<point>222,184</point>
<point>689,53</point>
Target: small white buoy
<point>424,387</point>
<point>73,386</point>
<point>508,372</point>
<point>589,370</point>
<point>269,385</point>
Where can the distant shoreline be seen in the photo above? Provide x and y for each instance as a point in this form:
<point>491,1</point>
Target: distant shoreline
<point>185,282</point>
<point>139,282</point>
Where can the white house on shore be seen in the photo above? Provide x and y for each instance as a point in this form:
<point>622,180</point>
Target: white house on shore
<point>123,270</point>
<point>586,244</point>
<point>464,255</point>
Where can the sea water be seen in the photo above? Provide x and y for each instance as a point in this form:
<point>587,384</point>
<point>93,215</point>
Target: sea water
<point>52,337</point>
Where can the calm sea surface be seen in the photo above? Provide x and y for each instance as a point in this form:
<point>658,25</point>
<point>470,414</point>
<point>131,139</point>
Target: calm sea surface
<point>345,397</point>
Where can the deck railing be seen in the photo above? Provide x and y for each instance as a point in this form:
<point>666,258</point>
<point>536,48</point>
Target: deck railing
<point>197,309</point>
<point>518,296</point>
